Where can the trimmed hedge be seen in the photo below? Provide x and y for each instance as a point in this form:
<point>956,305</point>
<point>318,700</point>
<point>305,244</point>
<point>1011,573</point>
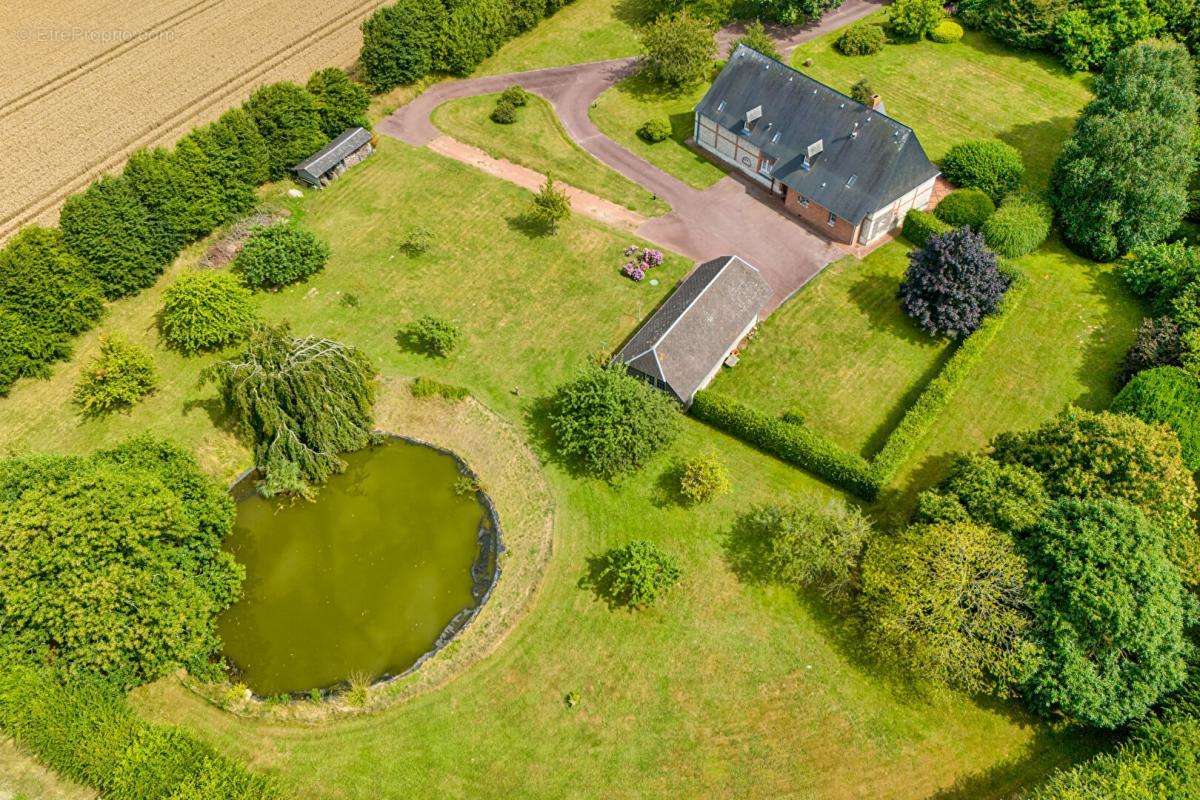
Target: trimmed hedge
<point>794,443</point>
<point>1019,226</point>
<point>797,444</point>
<point>47,286</point>
<point>27,351</point>
<point>86,731</point>
<point>1168,395</point>
<point>965,207</point>
<point>920,225</point>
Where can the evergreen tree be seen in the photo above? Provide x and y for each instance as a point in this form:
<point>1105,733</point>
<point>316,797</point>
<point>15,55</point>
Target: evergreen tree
<point>46,285</point>
<point>289,120</point>
<point>342,102</point>
<point>106,226</point>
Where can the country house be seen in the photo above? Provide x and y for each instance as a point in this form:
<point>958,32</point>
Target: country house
<point>847,169</point>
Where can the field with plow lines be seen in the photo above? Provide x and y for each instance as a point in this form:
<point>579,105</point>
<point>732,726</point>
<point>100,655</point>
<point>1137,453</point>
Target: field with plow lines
<point>85,83</point>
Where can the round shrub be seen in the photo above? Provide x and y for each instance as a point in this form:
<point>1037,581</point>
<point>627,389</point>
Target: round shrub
<point>987,164</point>
<point>609,422</point>
<point>1169,395</point>
<point>432,336</point>
<point>279,255</point>
<point>951,284</point>
<point>505,113</point>
<point>655,130</point>
<point>1019,226</point>
<point>637,574</point>
<point>703,478</point>
<point>861,40</point>
<point>205,311</point>
<point>965,207</point>
<point>118,377</point>
<point>946,32</point>
<point>515,95</point>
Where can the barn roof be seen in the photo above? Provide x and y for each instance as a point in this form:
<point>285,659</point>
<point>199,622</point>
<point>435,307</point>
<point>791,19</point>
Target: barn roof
<point>328,156</point>
<point>867,158</point>
<point>688,336</point>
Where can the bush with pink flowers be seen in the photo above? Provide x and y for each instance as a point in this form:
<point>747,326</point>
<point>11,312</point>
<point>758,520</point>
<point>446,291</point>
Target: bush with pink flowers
<point>641,260</point>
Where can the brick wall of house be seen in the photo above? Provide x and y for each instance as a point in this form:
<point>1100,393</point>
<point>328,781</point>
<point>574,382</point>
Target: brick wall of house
<point>817,216</point>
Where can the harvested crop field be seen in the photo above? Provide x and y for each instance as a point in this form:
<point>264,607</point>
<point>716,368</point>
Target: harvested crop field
<point>85,83</point>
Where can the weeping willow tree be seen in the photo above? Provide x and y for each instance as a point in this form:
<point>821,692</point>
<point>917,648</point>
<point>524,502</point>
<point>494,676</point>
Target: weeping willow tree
<point>303,401</point>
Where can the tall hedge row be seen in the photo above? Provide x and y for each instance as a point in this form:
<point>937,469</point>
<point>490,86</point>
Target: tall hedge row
<point>797,444</point>
<point>116,237</point>
<point>84,729</point>
<point>410,39</point>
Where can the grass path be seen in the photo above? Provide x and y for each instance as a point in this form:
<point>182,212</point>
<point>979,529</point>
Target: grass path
<point>537,140</point>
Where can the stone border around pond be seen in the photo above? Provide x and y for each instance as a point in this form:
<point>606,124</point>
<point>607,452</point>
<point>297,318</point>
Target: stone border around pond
<point>491,451</point>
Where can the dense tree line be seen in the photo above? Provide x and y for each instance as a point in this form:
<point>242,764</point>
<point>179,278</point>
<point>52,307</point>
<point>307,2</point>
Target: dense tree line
<point>410,39</point>
<point>1122,179</point>
<point>1084,33</point>
<point>116,237</point>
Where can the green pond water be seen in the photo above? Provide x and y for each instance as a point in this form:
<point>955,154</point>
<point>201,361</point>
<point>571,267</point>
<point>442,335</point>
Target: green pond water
<point>362,580</point>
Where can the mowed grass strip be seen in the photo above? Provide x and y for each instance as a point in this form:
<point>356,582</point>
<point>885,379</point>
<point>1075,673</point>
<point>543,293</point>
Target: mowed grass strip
<point>841,353</point>
<point>537,140</point>
<point>971,89</point>
<point>621,110</point>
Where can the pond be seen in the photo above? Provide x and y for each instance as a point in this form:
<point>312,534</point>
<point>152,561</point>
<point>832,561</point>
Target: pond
<point>388,561</point>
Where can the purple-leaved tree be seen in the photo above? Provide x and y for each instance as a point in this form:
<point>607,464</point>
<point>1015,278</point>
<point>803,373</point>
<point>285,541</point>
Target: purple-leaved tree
<point>952,284</point>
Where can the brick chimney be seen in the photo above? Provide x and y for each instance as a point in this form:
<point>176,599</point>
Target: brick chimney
<point>876,104</point>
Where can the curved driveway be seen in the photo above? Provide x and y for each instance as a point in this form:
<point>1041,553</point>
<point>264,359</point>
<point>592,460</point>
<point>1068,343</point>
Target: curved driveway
<point>733,217</point>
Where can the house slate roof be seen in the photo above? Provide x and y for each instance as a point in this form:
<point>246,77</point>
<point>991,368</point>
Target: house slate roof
<point>882,156</point>
<point>689,335</point>
<point>328,156</point>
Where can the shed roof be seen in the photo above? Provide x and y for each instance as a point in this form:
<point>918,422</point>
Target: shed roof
<point>328,156</point>
<point>868,159</point>
<point>688,336</point>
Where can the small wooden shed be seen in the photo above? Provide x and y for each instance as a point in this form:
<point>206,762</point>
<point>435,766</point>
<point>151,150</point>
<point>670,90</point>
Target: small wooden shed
<point>351,147</point>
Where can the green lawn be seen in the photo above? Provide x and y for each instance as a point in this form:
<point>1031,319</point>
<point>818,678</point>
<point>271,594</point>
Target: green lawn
<point>1064,344</point>
<point>841,353</point>
<point>537,140</point>
<point>620,111</point>
<point>975,88</point>
<point>583,30</point>
<point>725,689</point>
